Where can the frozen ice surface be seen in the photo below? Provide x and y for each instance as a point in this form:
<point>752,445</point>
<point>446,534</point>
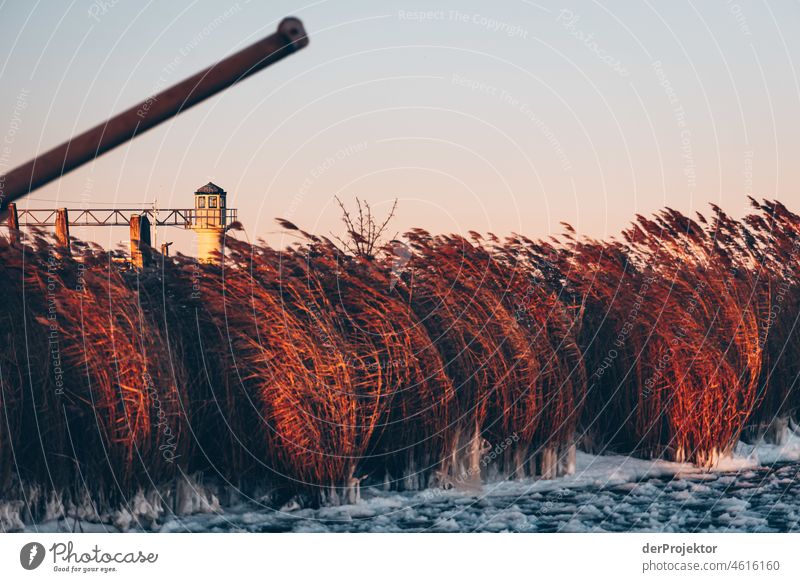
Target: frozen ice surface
<point>758,490</point>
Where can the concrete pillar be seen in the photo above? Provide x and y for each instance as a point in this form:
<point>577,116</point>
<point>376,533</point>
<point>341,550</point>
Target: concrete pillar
<point>140,240</point>
<point>209,242</point>
<point>13,223</point>
<point>62,230</point>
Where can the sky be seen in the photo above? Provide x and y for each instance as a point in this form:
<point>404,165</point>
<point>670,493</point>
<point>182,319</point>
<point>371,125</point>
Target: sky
<point>489,116</point>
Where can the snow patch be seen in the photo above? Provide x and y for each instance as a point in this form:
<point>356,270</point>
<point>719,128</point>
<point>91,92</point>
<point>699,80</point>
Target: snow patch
<point>605,493</point>
<point>763,453</point>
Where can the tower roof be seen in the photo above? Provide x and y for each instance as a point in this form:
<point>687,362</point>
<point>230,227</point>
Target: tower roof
<point>210,188</point>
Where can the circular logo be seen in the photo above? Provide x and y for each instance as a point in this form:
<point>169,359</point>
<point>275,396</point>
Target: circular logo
<point>31,555</point>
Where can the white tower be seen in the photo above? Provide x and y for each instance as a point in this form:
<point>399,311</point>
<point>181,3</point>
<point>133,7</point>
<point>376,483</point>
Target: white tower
<point>209,220</point>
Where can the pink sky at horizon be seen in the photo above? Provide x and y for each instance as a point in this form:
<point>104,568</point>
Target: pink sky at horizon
<point>497,118</point>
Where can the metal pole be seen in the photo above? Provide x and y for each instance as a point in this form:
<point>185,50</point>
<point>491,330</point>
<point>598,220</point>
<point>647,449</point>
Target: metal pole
<point>289,38</point>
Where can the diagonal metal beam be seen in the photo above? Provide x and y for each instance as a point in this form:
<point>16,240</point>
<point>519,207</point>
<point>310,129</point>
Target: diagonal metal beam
<point>289,38</point>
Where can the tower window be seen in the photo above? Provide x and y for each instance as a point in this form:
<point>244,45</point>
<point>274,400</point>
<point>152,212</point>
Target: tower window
<point>222,201</point>
<point>212,201</point>
<point>201,201</point>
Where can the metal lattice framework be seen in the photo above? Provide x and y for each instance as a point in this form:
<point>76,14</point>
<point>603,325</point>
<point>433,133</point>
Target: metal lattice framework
<point>122,216</point>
